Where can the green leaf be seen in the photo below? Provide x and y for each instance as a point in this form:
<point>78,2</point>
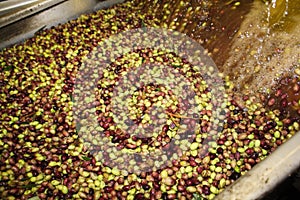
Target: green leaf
<point>177,66</point>
<point>143,59</point>
<point>197,196</point>
<point>86,158</point>
<point>78,127</point>
<point>143,24</point>
<point>8,68</point>
<point>24,179</point>
<point>71,97</point>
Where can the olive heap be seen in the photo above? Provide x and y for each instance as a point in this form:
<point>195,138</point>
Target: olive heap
<point>44,156</point>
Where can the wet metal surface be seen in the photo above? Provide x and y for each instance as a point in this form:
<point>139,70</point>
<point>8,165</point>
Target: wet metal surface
<point>14,10</point>
<point>9,6</point>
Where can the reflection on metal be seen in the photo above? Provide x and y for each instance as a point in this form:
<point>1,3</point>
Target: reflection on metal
<point>10,6</point>
<point>12,11</point>
<point>60,11</point>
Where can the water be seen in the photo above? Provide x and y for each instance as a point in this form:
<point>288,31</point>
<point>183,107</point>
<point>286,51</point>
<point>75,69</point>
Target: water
<point>255,43</point>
